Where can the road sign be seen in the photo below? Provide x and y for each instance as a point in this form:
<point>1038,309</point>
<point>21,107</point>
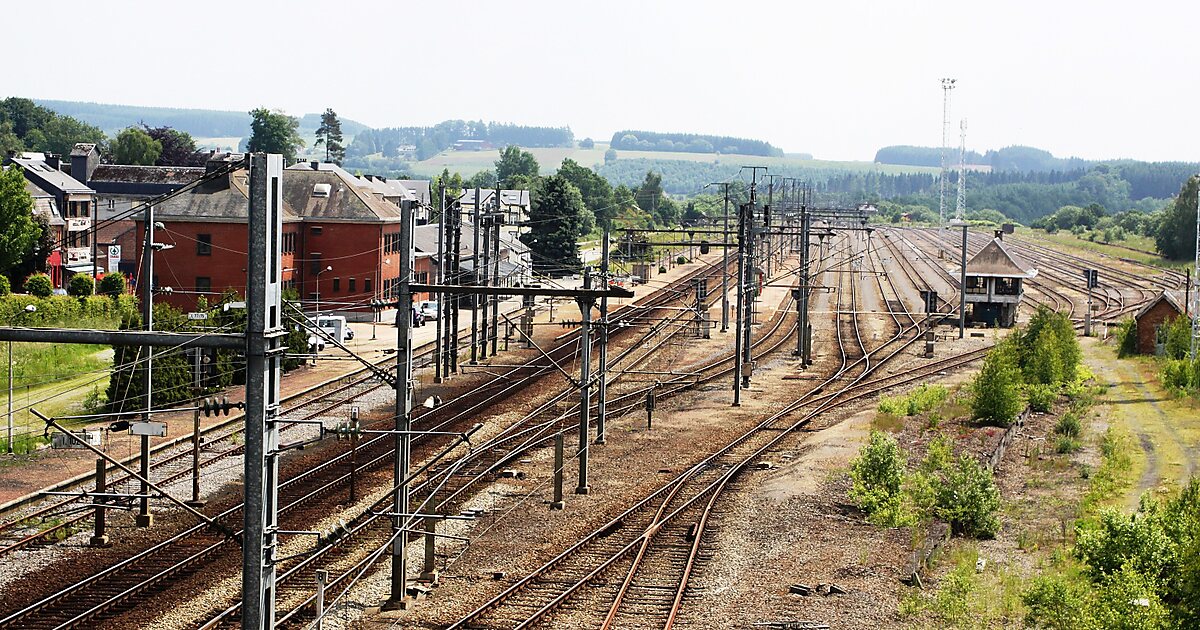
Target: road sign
<point>114,258</point>
<point>153,429</point>
<point>62,440</point>
<point>197,316</point>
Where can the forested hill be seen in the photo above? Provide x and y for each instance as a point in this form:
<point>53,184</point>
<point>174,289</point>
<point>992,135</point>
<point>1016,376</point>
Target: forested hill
<point>1014,158</point>
<point>200,123</point>
<point>630,140</point>
<point>429,141</point>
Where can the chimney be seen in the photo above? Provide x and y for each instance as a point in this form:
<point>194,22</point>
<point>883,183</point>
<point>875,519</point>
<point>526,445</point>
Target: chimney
<point>316,166</point>
<point>54,161</point>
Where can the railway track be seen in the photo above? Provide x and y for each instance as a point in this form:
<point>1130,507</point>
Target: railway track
<point>113,589</point>
<point>637,565</point>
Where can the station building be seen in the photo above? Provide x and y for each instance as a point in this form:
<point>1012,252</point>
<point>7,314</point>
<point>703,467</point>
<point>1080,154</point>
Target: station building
<point>994,285</point>
<point>1152,322</point>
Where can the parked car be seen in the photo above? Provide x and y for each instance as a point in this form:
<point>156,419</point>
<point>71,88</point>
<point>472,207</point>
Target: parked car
<point>335,326</point>
<point>429,309</point>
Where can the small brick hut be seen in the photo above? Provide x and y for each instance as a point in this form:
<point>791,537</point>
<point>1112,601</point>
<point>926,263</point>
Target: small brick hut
<point>1154,317</point>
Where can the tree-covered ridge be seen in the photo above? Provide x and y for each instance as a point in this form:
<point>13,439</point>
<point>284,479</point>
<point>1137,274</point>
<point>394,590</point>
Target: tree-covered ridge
<point>630,140</point>
<point>429,141</point>
<point>1014,158</point>
<point>26,126</point>
<point>200,123</point>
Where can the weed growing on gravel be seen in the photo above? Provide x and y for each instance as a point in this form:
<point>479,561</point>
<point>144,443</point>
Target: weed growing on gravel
<point>918,401</point>
<point>1066,445</point>
<point>1069,425</point>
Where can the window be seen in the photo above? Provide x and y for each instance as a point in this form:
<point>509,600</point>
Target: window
<point>289,243</point>
<point>203,284</point>
<point>367,285</point>
<point>204,244</point>
<point>350,285</point>
<point>314,266</point>
<point>337,285</point>
<point>421,277</point>
<point>317,230</point>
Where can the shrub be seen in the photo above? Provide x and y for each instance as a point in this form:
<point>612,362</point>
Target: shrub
<point>681,260</point>
<point>1041,397</point>
<point>1047,350</point>
<point>969,500</point>
<point>39,285</point>
<point>1066,444</point>
<point>80,285</point>
<point>1126,338</point>
<point>919,400</point>
<point>996,388</point>
<point>1057,602</point>
<point>877,473</point>
<point>1178,342</point>
<point>1137,541</point>
<point>112,285</point>
<point>661,269</point>
<point>5,286</point>
<point>1068,425</point>
<point>1176,374</point>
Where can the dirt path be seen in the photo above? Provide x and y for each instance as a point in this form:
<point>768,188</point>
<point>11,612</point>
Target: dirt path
<point>1167,432</point>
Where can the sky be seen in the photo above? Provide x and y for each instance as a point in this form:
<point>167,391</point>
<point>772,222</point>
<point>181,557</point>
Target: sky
<point>838,79</point>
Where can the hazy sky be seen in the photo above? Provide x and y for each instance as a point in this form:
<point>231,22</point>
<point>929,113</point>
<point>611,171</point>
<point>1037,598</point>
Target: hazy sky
<point>837,79</point>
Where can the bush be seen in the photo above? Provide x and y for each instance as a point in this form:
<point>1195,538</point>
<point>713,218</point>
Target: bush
<point>1117,541</point>
<point>5,286</point>
<point>920,400</point>
<point>996,388</point>
<point>969,500</point>
<point>1068,425</point>
<point>1066,444</point>
<point>112,285</point>
<point>681,260</point>
<point>1047,350</point>
<point>1176,375</point>
<point>80,285</point>
<point>1041,397</point>
<point>878,474</point>
<point>1126,338</point>
<point>39,285</point>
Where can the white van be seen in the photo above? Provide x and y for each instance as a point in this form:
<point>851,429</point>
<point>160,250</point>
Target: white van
<point>335,326</point>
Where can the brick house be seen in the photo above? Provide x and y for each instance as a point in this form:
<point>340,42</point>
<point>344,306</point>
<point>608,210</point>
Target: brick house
<point>340,241</point>
<point>71,207</point>
<point>1152,321</point>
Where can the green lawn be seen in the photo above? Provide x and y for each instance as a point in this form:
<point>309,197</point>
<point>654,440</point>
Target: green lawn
<point>1137,248</point>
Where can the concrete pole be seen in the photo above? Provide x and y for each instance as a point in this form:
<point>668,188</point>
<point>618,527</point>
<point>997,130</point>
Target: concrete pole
<point>483,266</point>
<point>403,410</point>
<point>456,272</point>
<point>144,518</point>
<point>319,604</point>
<point>429,572</point>
<point>498,220</point>
<point>99,538</point>
<point>558,502</point>
<point>265,335</point>
<point>475,258</point>
<point>748,287</point>
<point>585,376</point>
<point>602,395</point>
<point>10,395</point>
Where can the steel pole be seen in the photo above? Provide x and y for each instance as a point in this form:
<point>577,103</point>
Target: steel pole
<point>602,385</point>
<point>585,399</point>
<point>10,395</point>
<point>962,288</point>
<point>739,321</point>
<point>144,518</point>
<point>725,267</point>
<point>404,393</point>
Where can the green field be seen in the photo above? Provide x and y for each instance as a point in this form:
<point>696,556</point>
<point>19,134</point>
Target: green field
<point>470,162</point>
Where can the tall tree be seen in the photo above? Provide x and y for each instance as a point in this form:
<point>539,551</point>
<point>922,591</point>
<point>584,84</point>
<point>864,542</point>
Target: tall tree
<point>515,164</point>
<point>134,146</point>
<point>329,135</point>
<point>556,221</point>
<point>274,132</point>
<point>597,192</point>
<point>178,147</point>
<point>1176,237</point>
<point>20,233</point>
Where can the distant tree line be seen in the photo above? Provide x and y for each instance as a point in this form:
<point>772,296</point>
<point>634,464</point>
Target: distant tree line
<point>25,126</point>
<point>691,143</point>
<point>1014,158</point>
<point>429,141</point>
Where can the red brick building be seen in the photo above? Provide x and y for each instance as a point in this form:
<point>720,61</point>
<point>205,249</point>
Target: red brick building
<point>340,241</point>
<point>1152,321</point>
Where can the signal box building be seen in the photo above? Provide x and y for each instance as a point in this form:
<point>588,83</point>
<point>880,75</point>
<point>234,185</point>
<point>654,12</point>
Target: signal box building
<point>994,285</point>
<point>1152,322</point>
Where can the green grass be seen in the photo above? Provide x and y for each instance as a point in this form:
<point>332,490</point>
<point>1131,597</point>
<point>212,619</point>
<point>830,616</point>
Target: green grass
<point>1137,248</point>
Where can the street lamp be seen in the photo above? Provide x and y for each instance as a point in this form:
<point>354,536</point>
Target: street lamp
<point>318,281</point>
<point>29,308</point>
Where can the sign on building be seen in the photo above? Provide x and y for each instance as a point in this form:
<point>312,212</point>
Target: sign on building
<point>79,224</point>
<point>78,255</point>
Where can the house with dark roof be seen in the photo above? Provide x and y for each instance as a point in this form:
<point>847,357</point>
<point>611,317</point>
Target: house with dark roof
<point>74,205</point>
<point>1153,319</point>
<point>994,277</point>
<point>341,240</point>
